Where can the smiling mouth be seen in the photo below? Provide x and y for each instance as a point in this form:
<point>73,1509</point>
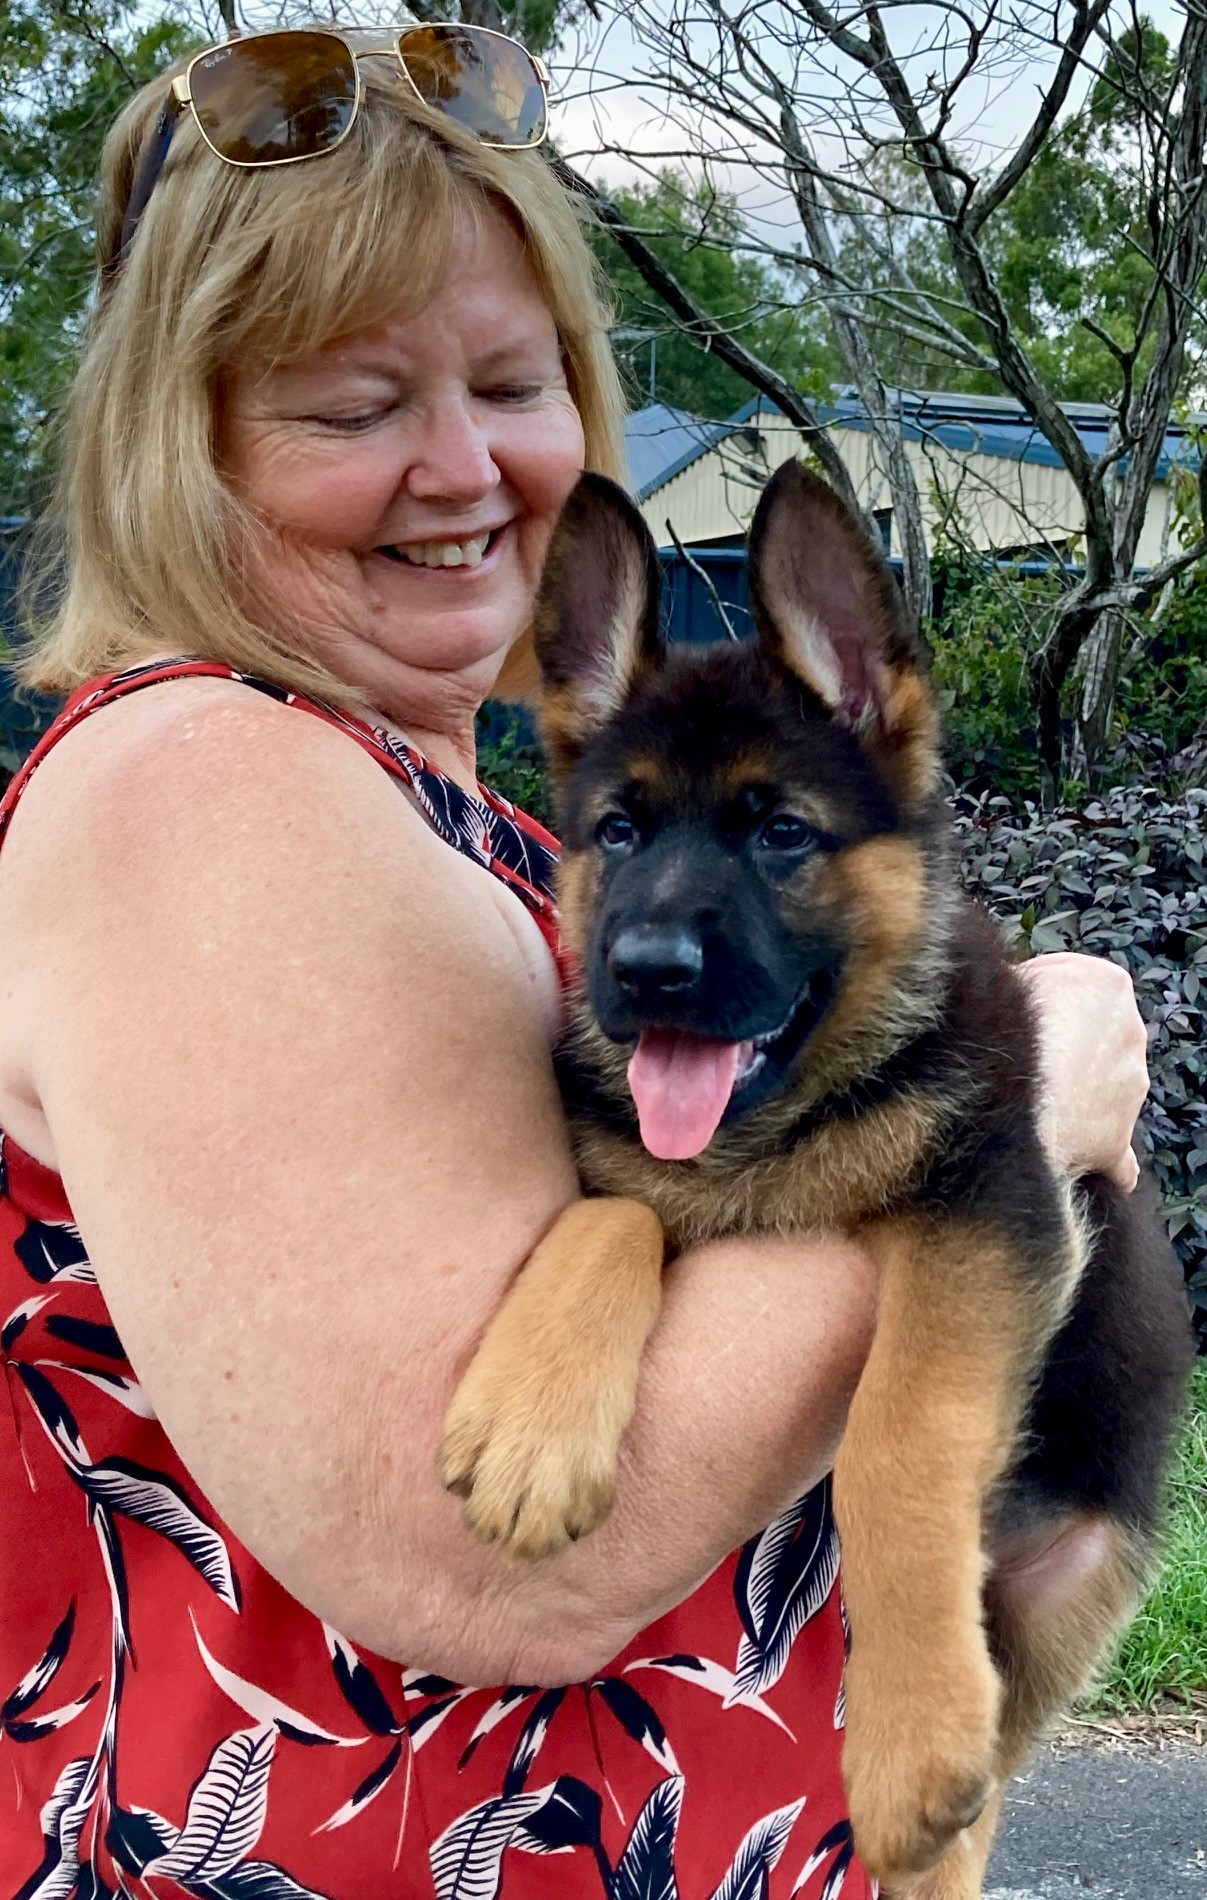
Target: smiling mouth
<point>469,551</point>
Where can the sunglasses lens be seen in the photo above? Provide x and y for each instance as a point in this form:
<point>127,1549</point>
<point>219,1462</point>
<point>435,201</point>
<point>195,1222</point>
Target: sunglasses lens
<point>274,97</point>
<point>488,84</point>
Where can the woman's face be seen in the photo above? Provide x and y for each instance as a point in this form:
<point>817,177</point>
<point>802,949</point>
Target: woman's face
<point>409,480</point>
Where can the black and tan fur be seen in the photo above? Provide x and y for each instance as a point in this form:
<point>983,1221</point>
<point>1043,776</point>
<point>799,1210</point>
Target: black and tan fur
<point>1031,1342</point>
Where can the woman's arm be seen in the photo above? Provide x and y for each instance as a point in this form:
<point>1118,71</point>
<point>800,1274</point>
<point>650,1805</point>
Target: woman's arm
<point>291,1063</point>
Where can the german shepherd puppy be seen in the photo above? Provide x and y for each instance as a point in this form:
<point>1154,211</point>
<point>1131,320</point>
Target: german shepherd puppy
<point>790,1019</point>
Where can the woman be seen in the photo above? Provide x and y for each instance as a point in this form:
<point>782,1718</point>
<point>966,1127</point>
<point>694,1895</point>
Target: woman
<point>284,1056</point>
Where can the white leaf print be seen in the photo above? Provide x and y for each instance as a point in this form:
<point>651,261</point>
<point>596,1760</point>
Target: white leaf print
<point>20,1317</point>
<point>423,1733</point>
<point>263,1707</point>
<point>125,1390</point>
<point>368,1790</point>
<point>838,1842</point>
<point>32,1727</point>
<point>163,1507</point>
<point>495,1713</point>
<point>714,1677</point>
<point>758,1854</point>
<point>63,1820</point>
<point>790,1571</point>
<point>467,1859</point>
<point>646,1870</point>
<point>226,1810</point>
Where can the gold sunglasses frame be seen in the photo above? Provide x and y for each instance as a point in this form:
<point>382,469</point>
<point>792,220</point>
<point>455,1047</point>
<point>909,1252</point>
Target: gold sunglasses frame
<point>390,47</point>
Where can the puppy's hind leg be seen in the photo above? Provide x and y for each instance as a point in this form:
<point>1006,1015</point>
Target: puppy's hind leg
<point>1053,1608</point>
<point>532,1435</point>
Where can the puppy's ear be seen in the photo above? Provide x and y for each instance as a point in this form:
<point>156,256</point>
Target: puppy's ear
<point>827,607</point>
<point>595,623</point>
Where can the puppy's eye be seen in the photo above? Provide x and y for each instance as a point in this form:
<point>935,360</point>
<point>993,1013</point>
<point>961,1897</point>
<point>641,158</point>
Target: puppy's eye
<point>786,832</point>
<point>615,830</point>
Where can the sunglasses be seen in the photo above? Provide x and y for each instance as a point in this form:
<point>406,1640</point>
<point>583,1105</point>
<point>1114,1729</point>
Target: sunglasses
<point>275,98</point>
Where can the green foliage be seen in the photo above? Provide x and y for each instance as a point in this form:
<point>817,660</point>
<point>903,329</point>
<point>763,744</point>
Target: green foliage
<point>1125,878</point>
<point>981,639</point>
<point>510,761</point>
<point>1164,1653</point>
<point>1068,246</point>
<point>694,235</point>
<point>65,72</point>
<point>989,624</point>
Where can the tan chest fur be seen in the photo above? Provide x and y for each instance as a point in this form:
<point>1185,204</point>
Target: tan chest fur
<point>844,1174</point>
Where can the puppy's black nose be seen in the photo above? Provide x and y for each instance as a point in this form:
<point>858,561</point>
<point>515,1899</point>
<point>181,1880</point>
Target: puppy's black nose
<point>652,962</point>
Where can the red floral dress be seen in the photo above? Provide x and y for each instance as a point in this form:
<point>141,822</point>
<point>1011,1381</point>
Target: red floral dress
<point>172,1722</point>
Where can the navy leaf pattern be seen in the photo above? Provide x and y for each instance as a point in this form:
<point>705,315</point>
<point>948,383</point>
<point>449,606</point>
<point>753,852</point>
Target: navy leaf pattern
<point>62,1821</point>
<point>758,1854</point>
<point>34,1727</point>
<point>360,1797</point>
<point>713,1676</point>
<point>638,1718</point>
<point>137,1836</point>
<point>467,1860</point>
<point>532,1735</point>
<point>840,1842</point>
<point>56,1416</point>
<point>88,1334</point>
<point>647,1867</point>
<point>53,1250</point>
<point>19,1319</point>
<point>44,1671</point>
<point>360,1686</point>
<point>572,1817</point>
<point>494,1714</point>
<point>264,1708</point>
<point>783,1578</point>
<point>151,1498</point>
<point>226,1810</point>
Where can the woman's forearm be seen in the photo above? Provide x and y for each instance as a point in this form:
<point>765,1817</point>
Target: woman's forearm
<point>743,1396</point>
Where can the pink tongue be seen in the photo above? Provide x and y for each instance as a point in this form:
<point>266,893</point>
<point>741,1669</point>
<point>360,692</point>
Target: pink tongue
<point>681,1085</point>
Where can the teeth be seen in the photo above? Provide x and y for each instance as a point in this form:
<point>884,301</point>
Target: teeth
<point>750,1059</point>
<point>444,553</point>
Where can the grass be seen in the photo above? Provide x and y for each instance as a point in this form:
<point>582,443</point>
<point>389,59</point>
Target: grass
<point>1164,1653</point>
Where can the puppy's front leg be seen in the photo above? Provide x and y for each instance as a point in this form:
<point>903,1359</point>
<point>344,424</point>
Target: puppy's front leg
<point>931,1428</point>
<point>534,1429</point>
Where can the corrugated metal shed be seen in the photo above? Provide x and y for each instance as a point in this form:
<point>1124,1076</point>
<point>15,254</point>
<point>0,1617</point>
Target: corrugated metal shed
<point>979,459</point>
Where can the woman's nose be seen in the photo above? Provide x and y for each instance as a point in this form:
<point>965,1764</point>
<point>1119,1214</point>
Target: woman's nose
<point>452,459</point>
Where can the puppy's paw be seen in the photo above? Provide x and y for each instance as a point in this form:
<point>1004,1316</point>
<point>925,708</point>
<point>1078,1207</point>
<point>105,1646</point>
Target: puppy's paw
<point>918,1761</point>
<point>533,1460</point>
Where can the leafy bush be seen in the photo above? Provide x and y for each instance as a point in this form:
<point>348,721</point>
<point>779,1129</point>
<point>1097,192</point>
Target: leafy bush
<point>988,625</point>
<point>1125,878</point>
<point>510,760</point>
<point>980,639</point>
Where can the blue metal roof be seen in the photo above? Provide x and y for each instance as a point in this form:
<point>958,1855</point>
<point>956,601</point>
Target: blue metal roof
<point>967,425</point>
<point>661,442</point>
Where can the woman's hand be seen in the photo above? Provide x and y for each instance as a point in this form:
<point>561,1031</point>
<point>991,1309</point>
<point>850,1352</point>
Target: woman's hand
<point>1093,1048</point>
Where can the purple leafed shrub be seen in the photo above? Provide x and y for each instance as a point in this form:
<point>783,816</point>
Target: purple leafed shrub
<point>1125,878</point>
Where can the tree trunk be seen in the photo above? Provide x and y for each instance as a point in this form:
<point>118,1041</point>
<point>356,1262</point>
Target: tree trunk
<point>1100,678</point>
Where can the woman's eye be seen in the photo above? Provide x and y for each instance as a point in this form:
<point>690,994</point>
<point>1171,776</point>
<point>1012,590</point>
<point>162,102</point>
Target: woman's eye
<point>615,829</point>
<point>514,393</point>
<point>351,425</point>
<point>786,832</point>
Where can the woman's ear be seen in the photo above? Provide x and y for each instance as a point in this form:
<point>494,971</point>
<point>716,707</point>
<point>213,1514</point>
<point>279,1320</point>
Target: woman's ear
<point>828,608</point>
<point>596,618</point>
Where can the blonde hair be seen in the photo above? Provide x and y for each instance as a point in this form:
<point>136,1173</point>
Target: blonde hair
<point>230,266</point>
